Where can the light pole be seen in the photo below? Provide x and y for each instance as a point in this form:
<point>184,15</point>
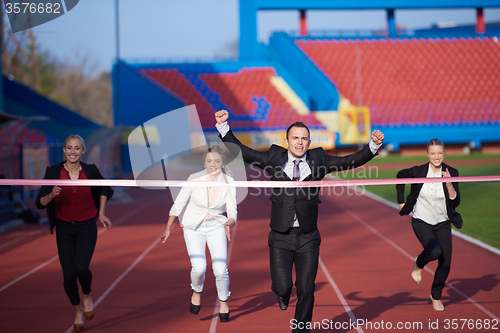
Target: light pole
<point>117,95</point>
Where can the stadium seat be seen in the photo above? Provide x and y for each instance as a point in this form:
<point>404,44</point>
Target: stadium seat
<point>406,72</point>
<point>247,94</point>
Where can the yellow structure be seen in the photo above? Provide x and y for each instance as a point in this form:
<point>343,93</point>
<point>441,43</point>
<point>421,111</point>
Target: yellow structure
<point>354,124</point>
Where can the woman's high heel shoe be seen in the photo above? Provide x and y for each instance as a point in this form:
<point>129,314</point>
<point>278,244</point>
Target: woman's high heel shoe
<point>78,327</point>
<point>89,315</point>
<point>78,317</point>
<point>224,317</point>
<point>416,273</point>
<point>438,307</point>
<point>194,309</point>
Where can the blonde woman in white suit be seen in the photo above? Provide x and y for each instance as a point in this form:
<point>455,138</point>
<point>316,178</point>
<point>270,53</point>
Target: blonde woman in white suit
<point>204,224</point>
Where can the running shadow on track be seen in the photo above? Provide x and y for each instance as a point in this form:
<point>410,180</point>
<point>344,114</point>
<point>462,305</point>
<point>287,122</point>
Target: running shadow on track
<point>370,309</point>
<point>260,302</point>
<point>136,314</point>
<point>254,303</point>
<point>471,287</point>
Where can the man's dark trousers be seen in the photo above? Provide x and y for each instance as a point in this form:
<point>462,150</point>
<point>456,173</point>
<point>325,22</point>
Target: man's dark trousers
<point>301,249</point>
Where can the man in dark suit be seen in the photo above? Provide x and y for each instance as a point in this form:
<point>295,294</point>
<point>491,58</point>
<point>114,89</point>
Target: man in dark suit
<point>294,236</point>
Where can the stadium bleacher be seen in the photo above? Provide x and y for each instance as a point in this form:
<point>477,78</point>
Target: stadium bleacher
<point>415,81</point>
<point>28,135</point>
<point>253,101</point>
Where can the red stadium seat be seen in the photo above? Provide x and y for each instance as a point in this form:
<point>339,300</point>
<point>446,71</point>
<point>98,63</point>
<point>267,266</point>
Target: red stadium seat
<point>409,71</point>
<point>237,92</point>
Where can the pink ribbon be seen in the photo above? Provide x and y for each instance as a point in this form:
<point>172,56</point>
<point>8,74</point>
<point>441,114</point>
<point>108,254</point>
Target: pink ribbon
<point>254,183</point>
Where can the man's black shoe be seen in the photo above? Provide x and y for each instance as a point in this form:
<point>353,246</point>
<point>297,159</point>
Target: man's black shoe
<point>283,302</point>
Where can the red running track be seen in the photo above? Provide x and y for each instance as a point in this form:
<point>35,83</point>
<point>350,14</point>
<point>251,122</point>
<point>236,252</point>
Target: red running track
<point>141,285</point>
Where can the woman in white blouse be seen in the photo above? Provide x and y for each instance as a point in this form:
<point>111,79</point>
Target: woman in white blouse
<point>204,224</point>
<point>433,207</point>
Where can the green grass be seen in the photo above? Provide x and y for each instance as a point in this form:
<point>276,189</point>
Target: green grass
<point>480,201</point>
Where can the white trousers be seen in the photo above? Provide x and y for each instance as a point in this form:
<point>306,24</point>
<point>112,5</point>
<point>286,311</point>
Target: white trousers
<point>211,233</point>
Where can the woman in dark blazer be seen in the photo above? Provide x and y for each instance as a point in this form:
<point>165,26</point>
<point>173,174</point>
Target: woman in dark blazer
<point>433,207</point>
<point>74,210</point>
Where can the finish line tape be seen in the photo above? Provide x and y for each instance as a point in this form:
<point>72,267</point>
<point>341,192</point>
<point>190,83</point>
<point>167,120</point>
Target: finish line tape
<point>253,183</point>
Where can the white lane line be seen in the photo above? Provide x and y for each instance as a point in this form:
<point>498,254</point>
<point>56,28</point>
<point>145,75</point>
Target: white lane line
<point>376,232</point>
<point>39,267</point>
<point>476,242</point>
<point>457,234</point>
<point>339,295</point>
<point>472,301</point>
<point>213,325</point>
<point>20,238</point>
<point>125,273</point>
<point>454,231</point>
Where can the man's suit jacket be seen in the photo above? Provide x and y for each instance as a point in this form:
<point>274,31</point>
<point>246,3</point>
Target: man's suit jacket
<point>198,208</point>
<point>286,202</point>
<point>90,171</point>
<point>420,171</point>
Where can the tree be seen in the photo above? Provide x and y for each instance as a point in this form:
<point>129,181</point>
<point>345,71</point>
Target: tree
<point>79,85</point>
<point>22,61</point>
<point>82,87</point>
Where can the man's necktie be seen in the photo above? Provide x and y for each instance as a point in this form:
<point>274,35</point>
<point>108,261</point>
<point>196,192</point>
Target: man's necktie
<point>296,170</point>
<point>296,176</point>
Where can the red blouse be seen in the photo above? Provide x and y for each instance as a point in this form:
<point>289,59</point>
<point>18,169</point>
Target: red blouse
<point>75,203</point>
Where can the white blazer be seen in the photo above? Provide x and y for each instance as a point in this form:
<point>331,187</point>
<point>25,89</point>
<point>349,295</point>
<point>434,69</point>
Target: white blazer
<point>197,208</point>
